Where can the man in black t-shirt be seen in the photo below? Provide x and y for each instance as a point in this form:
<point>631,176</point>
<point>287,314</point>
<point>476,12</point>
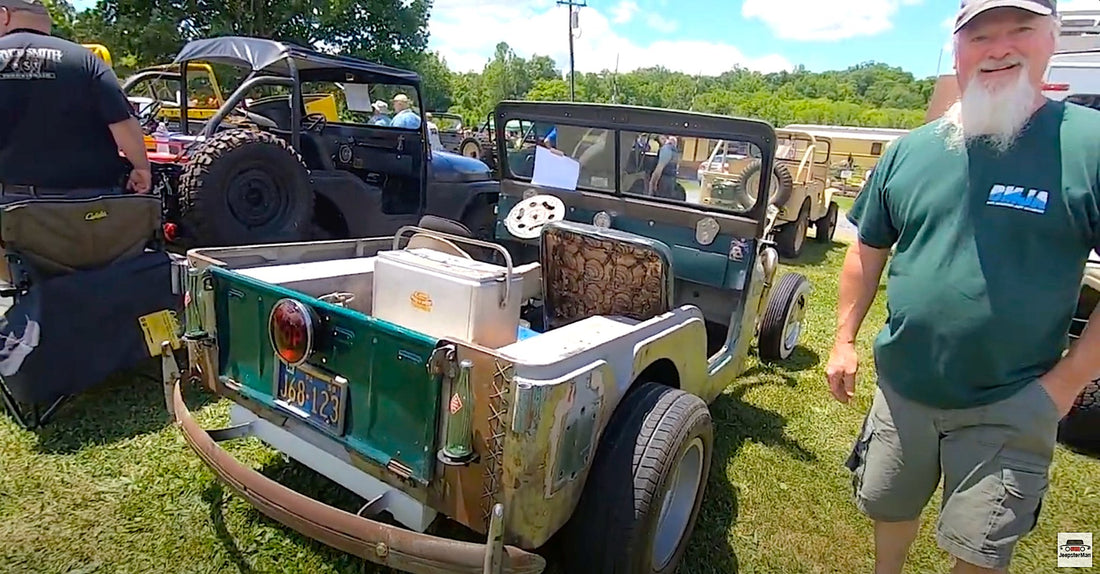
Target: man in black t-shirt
<point>63,115</point>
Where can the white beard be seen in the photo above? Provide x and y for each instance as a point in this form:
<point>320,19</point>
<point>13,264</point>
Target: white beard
<point>996,116</point>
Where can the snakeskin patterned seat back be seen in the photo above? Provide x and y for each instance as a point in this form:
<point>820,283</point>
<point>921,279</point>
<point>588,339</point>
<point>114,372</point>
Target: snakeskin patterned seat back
<point>589,270</point>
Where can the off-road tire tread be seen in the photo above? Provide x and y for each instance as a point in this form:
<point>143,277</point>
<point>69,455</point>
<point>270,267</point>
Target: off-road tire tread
<point>192,208</point>
<point>825,227</point>
<point>1089,398</point>
<point>785,238</point>
<point>770,339</point>
<point>1080,428</point>
<point>599,535</point>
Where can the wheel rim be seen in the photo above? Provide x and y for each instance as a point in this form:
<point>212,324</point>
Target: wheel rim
<point>793,327</point>
<point>679,503</point>
<point>801,235</point>
<point>254,198</point>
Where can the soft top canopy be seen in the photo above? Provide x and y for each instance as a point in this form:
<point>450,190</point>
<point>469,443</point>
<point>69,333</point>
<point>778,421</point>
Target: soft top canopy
<point>640,118</point>
<point>274,57</point>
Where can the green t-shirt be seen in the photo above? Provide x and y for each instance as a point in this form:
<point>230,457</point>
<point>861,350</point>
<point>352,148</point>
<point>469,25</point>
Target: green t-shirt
<point>990,254</point>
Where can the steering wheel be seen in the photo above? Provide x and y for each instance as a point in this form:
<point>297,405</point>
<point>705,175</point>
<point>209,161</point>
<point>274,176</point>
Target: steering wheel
<point>526,218</point>
<point>147,115</point>
<point>319,121</point>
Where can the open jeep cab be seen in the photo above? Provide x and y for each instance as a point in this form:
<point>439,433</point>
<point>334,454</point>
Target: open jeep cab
<point>550,385</point>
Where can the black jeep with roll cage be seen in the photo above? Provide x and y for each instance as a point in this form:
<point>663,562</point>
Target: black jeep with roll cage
<point>268,169</point>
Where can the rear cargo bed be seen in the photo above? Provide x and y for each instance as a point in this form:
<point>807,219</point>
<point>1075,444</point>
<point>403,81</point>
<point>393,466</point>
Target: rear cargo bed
<point>365,382</point>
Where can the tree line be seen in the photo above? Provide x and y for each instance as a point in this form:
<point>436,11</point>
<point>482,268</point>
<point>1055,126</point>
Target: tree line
<point>140,33</point>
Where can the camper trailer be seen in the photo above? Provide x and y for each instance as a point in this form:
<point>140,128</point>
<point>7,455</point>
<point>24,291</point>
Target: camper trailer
<point>853,151</point>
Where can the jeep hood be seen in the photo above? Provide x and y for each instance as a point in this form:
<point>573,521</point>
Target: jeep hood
<point>453,168</point>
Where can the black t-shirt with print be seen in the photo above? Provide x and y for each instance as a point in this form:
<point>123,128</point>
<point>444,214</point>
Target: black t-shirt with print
<point>57,100</point>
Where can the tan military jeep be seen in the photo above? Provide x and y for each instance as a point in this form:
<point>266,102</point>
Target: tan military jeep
<point>801,190</point>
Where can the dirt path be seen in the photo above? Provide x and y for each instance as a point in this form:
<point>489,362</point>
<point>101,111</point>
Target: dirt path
<point>845,231</point>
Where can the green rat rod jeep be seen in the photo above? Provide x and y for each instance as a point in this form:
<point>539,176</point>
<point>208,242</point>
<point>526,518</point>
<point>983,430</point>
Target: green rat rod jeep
<point>546,390</point>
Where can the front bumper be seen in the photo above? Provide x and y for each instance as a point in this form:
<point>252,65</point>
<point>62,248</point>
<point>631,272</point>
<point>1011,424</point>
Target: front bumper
<point>377,542</point>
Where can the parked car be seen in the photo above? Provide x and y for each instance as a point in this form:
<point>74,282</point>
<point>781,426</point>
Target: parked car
<point>290,155</point>
<point>551,384</point>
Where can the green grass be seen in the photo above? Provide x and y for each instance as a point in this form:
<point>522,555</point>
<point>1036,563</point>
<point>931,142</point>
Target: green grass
<point>110,486</point>
<point>844,202</point>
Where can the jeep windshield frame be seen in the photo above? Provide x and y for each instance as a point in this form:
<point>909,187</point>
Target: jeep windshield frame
<point>619,119</point>
<point>280,63</point>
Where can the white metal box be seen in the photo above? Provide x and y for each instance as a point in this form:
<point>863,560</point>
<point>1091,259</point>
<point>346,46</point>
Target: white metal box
<point>442,295</point>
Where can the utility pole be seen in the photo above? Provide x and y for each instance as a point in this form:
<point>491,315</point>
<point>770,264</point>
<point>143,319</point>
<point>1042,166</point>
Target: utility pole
<point>572,24</point>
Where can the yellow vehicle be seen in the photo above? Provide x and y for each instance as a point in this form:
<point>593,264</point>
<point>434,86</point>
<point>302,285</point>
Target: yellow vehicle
<point>101,51</point>
<point>205,96</point>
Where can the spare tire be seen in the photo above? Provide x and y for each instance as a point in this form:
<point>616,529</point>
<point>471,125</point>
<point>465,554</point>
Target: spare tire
<point>471,147</point>
<point>1080,429</point>
<point>782,175</point>
<point>245,187</point>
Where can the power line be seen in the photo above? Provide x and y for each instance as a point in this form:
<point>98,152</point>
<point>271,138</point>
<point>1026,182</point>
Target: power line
<point>572,24</point>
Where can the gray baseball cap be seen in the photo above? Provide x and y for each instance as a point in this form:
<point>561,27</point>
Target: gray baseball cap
<point>968,9</point>
<point>35,6</point>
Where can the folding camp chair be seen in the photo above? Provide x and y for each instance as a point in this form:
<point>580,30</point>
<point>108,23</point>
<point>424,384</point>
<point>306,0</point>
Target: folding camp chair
<point>83,273</point>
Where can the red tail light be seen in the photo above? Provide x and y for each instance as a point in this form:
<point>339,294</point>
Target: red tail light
<point>1055,87</point>
<point>291,327</point>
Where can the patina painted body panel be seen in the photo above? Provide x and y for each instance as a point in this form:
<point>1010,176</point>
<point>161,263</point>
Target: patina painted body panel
<point>392,401</point>
<point>564,393</point>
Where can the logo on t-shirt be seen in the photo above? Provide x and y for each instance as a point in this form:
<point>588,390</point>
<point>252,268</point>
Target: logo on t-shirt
<point>1033,200</point>
<point>28,63</point>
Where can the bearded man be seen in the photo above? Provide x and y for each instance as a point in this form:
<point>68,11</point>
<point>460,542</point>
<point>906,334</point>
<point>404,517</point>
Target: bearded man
<point>992,211</point>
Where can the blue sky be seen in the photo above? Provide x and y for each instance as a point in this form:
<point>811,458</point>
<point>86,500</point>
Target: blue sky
<point>703,36</point>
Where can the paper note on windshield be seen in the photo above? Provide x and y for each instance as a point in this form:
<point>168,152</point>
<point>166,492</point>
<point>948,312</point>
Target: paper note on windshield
<point>358,97</point>
<point>553,170</point>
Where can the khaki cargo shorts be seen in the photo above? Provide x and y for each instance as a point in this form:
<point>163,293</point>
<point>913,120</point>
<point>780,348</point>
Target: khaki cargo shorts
<point>993,459</point>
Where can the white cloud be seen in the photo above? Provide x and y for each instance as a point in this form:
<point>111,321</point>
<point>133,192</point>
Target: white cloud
<point>466,33</point>
<point>661,24</point>
<point>825,20</point>
<point>623,11</point>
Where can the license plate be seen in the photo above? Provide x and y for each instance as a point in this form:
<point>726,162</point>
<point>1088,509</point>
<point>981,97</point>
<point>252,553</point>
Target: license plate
<point>314,397</point>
